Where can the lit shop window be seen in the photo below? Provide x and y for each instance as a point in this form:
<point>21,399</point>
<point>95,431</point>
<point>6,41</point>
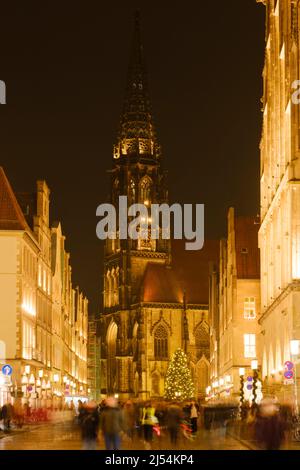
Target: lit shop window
<point>249,308</point>
<point>249,345</point>
<point>28,340</point>
<point>28,304</point>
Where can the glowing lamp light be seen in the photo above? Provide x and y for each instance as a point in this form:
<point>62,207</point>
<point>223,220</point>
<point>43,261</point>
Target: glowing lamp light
<point>24,380</point>
<point>32,380</point>
<point>294,347</point>
<point>56,378</point>
<point>221,382</point>
<point>228,379</point>
<point>117,395</point>
<point>38,382</point>
<point>48,385</point>
<point>27,369</point>
<point>241,371</point>
<point>65,379</point>
<point>28,309</point>
<point>41,374</point>
<point>254,364</point>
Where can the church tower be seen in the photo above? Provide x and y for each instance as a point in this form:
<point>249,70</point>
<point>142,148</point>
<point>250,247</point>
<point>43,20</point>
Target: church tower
<point>136,173</point>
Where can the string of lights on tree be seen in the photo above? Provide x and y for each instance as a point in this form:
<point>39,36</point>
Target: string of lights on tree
<point>179,384</point>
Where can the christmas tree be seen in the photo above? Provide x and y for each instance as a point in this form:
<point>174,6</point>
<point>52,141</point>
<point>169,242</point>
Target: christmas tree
<point>179,384</point>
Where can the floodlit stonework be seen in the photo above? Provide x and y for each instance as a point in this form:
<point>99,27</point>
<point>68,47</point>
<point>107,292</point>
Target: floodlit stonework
<point>150,307</point>
<point>235,306</point>
<point>279,235</point>
<point>43,319</point>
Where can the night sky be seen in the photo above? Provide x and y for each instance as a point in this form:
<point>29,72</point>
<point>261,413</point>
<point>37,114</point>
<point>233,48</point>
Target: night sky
<point>65,66</point>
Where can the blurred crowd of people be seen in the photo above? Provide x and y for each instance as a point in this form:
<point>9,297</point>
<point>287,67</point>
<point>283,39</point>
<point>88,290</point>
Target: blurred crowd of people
<point>143,421</point>
<point>270,424</point>
<point>15,414</point>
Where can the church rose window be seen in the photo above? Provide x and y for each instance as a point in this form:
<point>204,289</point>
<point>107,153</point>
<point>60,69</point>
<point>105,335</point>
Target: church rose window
<point>161,343</point>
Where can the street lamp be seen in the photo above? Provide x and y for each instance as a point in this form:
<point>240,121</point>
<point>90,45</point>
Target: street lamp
<point>254,367</point>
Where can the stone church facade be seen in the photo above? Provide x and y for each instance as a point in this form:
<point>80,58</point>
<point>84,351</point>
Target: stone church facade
<point>154,300</point>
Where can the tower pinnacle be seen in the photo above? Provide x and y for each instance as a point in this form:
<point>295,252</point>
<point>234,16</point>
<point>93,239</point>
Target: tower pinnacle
<point>136,133</point>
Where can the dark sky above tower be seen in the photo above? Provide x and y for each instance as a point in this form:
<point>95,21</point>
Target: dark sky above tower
<point>65,66</point>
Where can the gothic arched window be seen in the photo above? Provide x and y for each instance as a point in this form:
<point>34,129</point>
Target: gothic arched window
<point>161,343</point>
<point>202,341</point>
<point>114,286</point>
<point>111,338</point>
<point>202,376</point>
<point>155,379</point>
<point>145,189</point>
<point>132,191</point>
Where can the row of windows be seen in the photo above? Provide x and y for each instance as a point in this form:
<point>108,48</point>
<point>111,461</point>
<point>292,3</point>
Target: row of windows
<point>145,190</point>
<point>161,340</point>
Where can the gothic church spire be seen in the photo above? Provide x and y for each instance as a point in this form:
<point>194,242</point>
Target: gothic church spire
<point>137,133</point>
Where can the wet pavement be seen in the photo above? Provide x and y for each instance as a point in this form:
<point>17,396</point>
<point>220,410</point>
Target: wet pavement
<point>66,436</point>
